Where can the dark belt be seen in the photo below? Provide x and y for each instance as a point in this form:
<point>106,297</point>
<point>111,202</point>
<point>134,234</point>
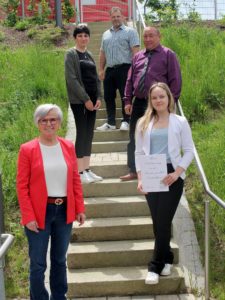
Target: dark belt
<point>56,200</point>
<point>118,66</point>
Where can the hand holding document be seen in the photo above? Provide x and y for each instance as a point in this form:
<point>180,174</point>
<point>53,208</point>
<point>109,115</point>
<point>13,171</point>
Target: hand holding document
<point>153,170</point>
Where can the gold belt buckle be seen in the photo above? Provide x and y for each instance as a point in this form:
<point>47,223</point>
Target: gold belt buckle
<point>58,201</point>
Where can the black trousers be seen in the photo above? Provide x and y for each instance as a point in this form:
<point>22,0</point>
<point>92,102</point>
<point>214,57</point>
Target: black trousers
<point>85,122</point>
<point>115,78</point>
<point>139,107</point>
<point>163,206</point>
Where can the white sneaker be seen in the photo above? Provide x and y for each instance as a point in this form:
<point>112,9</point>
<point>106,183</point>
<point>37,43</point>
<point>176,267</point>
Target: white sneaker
<point>166,270</point>
<point>85,178</point>
<point>93,176</point>
<point>124,126</point>
<point>152,278</point>
<point>106,127</point>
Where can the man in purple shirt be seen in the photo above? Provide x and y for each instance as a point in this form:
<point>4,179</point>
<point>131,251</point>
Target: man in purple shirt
<point>159,64</point>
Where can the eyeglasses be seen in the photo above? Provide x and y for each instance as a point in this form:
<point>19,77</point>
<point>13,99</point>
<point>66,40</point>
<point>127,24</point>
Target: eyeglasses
<point>52,121</point>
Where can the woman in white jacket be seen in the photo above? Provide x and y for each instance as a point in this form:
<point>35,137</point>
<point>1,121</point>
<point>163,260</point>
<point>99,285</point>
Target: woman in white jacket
<point>160,131</point>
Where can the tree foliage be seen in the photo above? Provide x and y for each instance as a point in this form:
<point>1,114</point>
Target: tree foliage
<point>161,5</point>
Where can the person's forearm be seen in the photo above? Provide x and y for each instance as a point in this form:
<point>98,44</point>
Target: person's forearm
<point>102,61</point>
<point>179,170</point>
<point>135,49</point>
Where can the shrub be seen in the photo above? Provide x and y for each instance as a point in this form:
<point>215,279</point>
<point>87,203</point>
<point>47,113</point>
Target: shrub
<point>10,7</point>
<point>22,25</point>
<point>40,11</point>
<point>47,34</point>
<point>32,33</point>
<point>11,19</point>
<point>67,10</point>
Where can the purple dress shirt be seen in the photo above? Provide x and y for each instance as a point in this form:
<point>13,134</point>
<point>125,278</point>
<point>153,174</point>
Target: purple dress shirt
<point>163,67</point>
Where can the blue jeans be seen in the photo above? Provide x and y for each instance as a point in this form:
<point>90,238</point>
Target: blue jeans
<point>59,231</point>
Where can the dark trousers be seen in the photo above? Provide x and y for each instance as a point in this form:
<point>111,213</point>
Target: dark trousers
<point>85,122</point>
<point>115,78</point>
<point>59,231</point>
<point>139,107</point>
<point>163,206</point>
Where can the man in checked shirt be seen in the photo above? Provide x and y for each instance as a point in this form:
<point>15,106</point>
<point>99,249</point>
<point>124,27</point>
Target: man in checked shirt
<point>119,44</point>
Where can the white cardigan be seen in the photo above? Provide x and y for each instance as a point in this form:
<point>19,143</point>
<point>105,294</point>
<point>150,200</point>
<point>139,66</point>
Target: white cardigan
<point>179,139</point>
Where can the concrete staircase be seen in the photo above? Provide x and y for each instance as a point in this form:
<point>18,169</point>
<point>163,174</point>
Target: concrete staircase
<point>108,256</point>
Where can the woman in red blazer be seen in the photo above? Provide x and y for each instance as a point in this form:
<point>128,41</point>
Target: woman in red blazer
<point>50,198</point>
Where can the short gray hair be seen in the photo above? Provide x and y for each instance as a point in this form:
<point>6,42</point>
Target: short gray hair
<point>115,9</point>
<point>43,109</point>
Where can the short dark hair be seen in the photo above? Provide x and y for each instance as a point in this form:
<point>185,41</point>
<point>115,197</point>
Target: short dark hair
<point>81,28</point>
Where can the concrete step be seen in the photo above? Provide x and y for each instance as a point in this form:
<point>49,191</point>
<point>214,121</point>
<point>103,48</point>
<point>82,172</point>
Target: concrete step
<point>111,170</point>
<point>100,122</point>
<point>111,187</point>
<point>113,229</point>
<point>116,281</point>
<point>101,147</point>
<point>118,101</point>
<point>108,207</point>
<point>101,113</point>
<point>113,254</point>
<point>111,135</point>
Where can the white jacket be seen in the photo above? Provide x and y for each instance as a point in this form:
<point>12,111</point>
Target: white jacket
<point>179,140</point>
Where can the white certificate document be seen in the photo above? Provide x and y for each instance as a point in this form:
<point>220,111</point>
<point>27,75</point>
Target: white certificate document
<point>153,170</point>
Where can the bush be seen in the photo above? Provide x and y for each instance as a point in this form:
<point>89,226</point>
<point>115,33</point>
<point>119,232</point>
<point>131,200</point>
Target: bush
<point>11,19</point>
<point>67,10</point>
<point>22,25</point>
<point>47,35</point>
<point>10,7</point>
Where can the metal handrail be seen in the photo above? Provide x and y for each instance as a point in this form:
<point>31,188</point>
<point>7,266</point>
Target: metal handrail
<point>201,170</point>
<point>207,204</point>
<point>7,241</point>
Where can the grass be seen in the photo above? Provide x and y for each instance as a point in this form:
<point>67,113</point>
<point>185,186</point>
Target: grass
<point>35,74</point>
<point>210,144</point>
<point>29,76</point>
<point>201,52</point>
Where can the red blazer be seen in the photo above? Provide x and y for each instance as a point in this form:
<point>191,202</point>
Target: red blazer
<point>31,185</point>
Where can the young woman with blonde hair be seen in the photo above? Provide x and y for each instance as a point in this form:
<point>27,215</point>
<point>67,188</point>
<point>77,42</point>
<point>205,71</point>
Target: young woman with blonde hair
<point>161,131</point>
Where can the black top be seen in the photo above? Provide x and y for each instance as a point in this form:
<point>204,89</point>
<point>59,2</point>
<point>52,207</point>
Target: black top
<point>88,74</point>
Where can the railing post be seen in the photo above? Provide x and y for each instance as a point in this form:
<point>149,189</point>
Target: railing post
<point>215,10</point>
<point>77,10</point>
<point>2,284</point>
<point>2,227</point>
<point>207,292</point>
<point>58,12</point>
<point>23,9</point>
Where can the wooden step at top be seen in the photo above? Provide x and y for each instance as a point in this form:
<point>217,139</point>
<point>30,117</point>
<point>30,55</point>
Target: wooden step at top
<point>111,135</point>
<point>112,229</point>
<point>112,254</point>
<point>116,281</point>
<point>111,187</point>
<point>102,147</point>
<point>116,207</point>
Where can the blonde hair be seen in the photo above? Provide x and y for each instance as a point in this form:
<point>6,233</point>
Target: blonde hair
<point>150,111</point>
